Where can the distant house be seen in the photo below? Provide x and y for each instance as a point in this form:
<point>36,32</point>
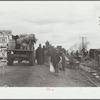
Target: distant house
<point>5,36</point>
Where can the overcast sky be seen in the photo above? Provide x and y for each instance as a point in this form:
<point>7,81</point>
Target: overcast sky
<point>61,23</point>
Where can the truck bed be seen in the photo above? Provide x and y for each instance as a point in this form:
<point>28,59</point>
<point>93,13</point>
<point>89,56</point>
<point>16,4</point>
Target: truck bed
<point>21,50</point>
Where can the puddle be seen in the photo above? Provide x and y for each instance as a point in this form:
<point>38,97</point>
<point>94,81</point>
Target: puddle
<point>94,74</point>
<point>97,76</point>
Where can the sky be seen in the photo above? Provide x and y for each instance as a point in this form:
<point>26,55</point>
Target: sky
<point>59,22</point>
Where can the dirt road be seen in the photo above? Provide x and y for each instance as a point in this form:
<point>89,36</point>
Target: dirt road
<point>22,75</point>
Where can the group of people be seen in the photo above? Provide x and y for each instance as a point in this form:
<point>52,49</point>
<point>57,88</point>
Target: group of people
<point>39,55</point>
<point>50,54</point>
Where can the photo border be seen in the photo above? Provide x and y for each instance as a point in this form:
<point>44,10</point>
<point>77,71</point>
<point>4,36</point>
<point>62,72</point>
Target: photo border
<point>58,93</point>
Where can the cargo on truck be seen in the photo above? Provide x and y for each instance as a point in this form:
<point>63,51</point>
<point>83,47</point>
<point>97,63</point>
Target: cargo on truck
<point>21,48</point>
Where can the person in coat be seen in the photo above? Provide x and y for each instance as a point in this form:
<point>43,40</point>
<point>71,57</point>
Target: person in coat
<point>39,55</point>
<point>63,61</point>
<point>55,58</point>
<point>43,55</point>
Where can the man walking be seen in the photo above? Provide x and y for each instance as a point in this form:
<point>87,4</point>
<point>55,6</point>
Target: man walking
<point>55,58</point>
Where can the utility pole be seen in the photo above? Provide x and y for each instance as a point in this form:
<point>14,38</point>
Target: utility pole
<point>82,42</point>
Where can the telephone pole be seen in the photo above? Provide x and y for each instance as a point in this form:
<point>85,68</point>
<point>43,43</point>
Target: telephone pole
<point>83,42</point>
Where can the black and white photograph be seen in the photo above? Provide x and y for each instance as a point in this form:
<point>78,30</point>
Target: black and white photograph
<point>50,44</point>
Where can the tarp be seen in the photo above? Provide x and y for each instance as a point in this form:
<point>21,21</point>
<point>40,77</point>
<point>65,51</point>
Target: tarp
<point>26,39</point>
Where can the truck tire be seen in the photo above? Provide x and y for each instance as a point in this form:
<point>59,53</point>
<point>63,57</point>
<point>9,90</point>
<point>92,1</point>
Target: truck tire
<point>31,59</point>
<point>10,61</point>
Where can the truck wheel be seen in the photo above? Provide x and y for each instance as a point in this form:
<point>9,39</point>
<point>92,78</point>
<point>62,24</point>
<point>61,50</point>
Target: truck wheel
<point>31,59</point>
<point>10,61</point>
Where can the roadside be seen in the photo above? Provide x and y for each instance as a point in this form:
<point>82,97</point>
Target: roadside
<point>22,75</point>
<point>92,74</point>
<point>90,63</point>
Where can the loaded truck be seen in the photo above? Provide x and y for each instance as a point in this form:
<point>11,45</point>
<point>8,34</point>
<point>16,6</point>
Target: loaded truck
<point>21,48</point>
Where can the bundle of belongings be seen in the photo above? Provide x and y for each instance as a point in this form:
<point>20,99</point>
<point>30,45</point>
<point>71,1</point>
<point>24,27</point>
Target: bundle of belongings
<point>25,41</point>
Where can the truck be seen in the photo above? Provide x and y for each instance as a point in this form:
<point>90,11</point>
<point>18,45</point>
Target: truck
<point>21,48</point>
